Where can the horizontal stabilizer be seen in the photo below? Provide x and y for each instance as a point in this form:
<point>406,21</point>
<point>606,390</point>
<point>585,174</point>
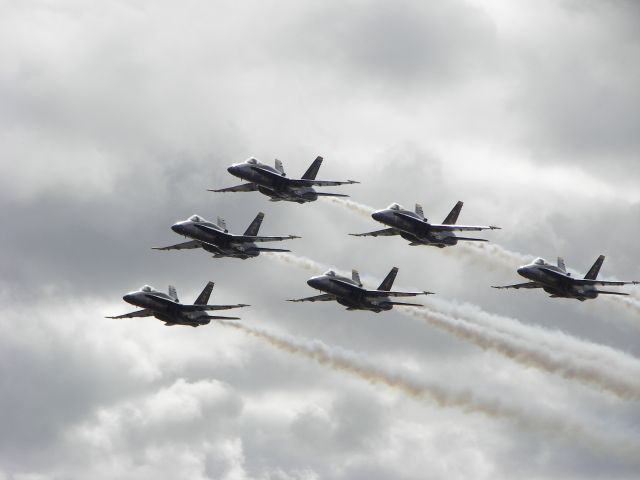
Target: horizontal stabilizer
<point>266,249</point>
<point>323,194</point>
<point>406,304</point>
<point>601,292</point>
<point>467,239</point>
<point>218,317</point>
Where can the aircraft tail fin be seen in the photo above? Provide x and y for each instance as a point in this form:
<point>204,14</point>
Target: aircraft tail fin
<point>222,224</point>
<point>419,210</point>
<point>312,171</point>
<point>561,264</point>
<point>279,167</point>
<point>592,274</point>
<point>452,218</point>
<point>355,276</point>
<point>252,229</point>
<point>203,298</point>
<point>173,293</point>
<point>387,283</point>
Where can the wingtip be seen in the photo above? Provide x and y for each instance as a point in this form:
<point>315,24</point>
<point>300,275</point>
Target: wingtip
<point>353,181</point>
<point>493,227</point>
<point>428,293</point>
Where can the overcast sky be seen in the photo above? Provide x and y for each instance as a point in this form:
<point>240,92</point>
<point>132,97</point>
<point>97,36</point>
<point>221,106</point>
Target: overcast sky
<point>117,116</point>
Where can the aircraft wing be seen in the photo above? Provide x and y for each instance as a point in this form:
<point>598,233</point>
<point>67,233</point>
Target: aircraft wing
<point>377,233</point>
<point>325,297</point>
<point>245,187</point>
<point>462,228</point>
<point>318,183</point>
<point>521,285</point>
<point>137,313</point>
<point>383,293</point>
<point>218,317</point>
<point>181,246</point>
<point>585,281</point>
<point>202,308</point>
<point>248,238</point>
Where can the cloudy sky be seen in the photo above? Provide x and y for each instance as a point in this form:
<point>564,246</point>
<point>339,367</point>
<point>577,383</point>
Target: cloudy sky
<point>117,116</point>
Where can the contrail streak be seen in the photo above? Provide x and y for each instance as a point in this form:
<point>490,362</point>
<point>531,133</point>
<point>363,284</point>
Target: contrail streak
<point>551,351</point>
<point>356,365</point>
<point>557,362</point>
<point>363,210</point>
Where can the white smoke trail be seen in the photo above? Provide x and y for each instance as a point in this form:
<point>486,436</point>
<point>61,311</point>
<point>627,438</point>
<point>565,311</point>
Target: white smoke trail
<point>533,346</point>
<point>557,362</point>
<point>444,396</point>
<point>298,261</point>
<point>630,304</point>
<point>362,210</point>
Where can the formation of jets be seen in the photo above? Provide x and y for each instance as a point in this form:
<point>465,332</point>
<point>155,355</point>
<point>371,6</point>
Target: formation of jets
<point>349,292</point>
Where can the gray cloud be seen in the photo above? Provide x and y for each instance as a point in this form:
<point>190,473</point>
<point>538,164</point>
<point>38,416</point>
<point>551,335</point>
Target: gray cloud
<point>117,117</point>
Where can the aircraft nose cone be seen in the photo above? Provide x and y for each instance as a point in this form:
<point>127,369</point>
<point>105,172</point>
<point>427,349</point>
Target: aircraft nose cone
<point>176,228</point>
<point>233,169</point>
<point>313,282</point>
<point>128,297</point>
<point>377,215</point>
<point>522,270</point>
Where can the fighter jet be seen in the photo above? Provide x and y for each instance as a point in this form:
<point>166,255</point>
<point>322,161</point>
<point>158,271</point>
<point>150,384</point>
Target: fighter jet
<point>167,308</point>
<point>216,239</point>
<point>350,292</point>
<point>558,283</point>
<point>412,226</point>
<point>274,183</point>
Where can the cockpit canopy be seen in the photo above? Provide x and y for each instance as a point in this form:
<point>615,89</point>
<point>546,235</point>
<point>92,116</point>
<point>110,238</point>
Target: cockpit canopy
<point>147,289</point>
<point>196,219</point>
<point>251,161</point>
<point>539,261</point>
<point>395,206</point>
<point>330,273</point>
